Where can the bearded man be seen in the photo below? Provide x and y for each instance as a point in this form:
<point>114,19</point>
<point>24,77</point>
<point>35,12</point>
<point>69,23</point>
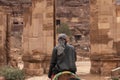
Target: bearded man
<point>63,57</point>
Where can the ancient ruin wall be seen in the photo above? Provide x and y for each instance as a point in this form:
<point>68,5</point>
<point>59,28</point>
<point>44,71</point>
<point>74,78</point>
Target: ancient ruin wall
<point>3,17</point>
<point>104,36</point>
<point>75,13</point>
<point>38,37</point>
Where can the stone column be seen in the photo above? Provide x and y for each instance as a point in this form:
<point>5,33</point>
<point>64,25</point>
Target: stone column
<point>38,37</point>
<point>2,38</point>
<point>104,36</point>
<point>117,5</point>
<point>36,64</point>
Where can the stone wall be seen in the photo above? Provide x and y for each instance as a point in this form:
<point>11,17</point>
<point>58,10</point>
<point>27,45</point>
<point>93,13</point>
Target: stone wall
<point>14,40</point>
<point>3,24</point>
<point>75,13</point>
<point>38,37</point>
<point>11,29</point>
<point>104,36</point>
<point>33,39</point>
<point>38,34</point>
<point>27,35</point>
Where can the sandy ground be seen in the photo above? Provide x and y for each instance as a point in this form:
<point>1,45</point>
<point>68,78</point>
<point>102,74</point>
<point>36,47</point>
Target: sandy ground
<point>83,70</point>
<point>82,77</point>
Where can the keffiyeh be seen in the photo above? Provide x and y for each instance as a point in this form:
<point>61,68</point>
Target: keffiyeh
<point>61,46</point>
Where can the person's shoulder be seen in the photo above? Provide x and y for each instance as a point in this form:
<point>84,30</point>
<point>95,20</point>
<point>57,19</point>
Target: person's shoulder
<point>70,46</point>
<point>55,48</point>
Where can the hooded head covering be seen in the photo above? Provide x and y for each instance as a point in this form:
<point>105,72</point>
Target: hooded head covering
<point>62,40</point>
<point>62,35</point>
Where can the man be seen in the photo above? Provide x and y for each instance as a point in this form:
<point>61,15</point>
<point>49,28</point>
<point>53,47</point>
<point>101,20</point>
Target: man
<point>63,57</point>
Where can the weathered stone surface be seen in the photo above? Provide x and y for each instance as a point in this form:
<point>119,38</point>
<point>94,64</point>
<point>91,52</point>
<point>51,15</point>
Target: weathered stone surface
<point>95,69</point>
<point>3,58</point>
<point>35,38</point>
<point>22,33</point>
<point>107,67</point>
<point>104,36</point>
<point>47,26</point>
<point>33,65</point>
<point>38,38</point>
<point>34,72</point>
<point>118,19</point>
<point>34,58</point>
<point>41,28</point>
<point>75,13</point>
<point>36,61</point>
<point>49,3</point>
<point>49,15</point>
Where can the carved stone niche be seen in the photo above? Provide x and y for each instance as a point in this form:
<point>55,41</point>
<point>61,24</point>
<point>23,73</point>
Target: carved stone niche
<point>77,37</point>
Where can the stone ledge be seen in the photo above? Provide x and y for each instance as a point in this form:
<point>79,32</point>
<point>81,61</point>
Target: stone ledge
<point>104,58</point>
<point>35,58</point>
<point>36,72</point>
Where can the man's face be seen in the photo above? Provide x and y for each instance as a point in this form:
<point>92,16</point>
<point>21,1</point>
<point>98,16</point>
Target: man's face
<point>62,41</point>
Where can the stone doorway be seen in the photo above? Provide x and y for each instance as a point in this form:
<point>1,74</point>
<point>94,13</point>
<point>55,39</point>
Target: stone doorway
<point>94,27</point>
<point>73,18</point>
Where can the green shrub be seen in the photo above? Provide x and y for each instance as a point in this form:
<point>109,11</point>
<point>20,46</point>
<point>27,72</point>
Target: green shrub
<point>12,73</point>
<point>64,28</point>
<point>115,78</point>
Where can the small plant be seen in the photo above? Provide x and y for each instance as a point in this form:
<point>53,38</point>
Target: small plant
<point>115,78</point>
<point>12,73</point>
<point>64,28</point>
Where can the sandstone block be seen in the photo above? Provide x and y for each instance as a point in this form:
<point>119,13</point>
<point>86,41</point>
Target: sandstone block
<point>34,72</point>
<point>95,67</point>
<point>34,66</point>
<point>103,25</point>
<point>118,19</point>
<point>107,67</point>
<point>48,26</point>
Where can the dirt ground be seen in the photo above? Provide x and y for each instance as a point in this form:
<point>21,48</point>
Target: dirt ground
<point>82,77</point>
<point>83,71</point>
<point>93,77</point>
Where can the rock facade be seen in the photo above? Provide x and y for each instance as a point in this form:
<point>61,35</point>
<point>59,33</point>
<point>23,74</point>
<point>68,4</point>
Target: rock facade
<point>38,37</point>
<point>3,19</point>
<point>75,13</point>
<point>104,36</point>
<point>27,35</point>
